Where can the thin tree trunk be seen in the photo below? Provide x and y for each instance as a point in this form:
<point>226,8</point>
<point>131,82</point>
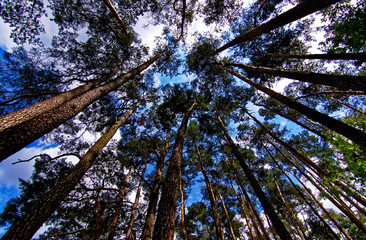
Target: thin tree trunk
<point>309,191</point>
<point>356,195</point>
<point>14,118</point>
<point>15,138</point>
<point>356,135</point>
<point>303,158</point>
<point>329,56</point>
<point>119,207</point>
<point>182,210</point>
<point>301,10</point>
<point>116,15</point>
<point>276,221</point>
<point>332,93</point>
<point>294,121</point>
<point>347,105</point>
<point>28,225</point>
<point>226,213</point>
<point>214,208</point>
<point>343,82</point>
<point>135,204</point>
<point>154,194</point>
<point>183,18</point>
<point>99,228</point>
<point>165,220</point>
<point>240,200</point>
<point>275,235</point>
<point>292,215</point>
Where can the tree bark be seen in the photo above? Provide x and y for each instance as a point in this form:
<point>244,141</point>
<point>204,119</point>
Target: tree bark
<point>329,56</point>
<point>15,138</point>
<point>356,135</point>
<point>276,221</point>
<point>28,225</point>
<point>135,204</point>
<point>343,82</point>
<point>227,214</point>
<point>165,220</point>
<point>301,10</point>
<point>119,207</point>
<point>14,118</point>
<point>116,15</point>
<point>182,211</point>
<point>154,194</point>
<point>214,207</point>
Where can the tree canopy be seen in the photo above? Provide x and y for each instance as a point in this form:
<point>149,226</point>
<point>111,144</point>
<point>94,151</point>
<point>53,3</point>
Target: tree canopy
<point>242,120</point>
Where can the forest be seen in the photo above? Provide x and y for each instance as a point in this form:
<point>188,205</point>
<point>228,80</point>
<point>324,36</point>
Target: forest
<point>249,125</point>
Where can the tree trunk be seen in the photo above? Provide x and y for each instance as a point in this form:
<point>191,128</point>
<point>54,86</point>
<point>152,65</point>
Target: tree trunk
<point>329,56</point>
<point>116,15</point>
<point>214,208</point>
<point>118,208</point>
<point>276,221</point>
<point>15,138</point>
<point>28,225</point>
<point>240,200</point>
<point>227,214</point>
<point>293,120</point>
<point>135,204</point>
<point>14,118</point>
<point>182,211</point>
<point>301,10</point>
<point>347,105</point>
<point>356,135</point>
<point>154,195</point>
<point>343,82</point>
<point>165,220</point>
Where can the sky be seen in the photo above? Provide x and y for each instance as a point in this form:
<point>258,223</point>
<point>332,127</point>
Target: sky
<point>9,173</point>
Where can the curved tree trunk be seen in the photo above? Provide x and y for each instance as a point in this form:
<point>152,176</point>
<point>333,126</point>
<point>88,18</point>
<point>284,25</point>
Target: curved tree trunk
<point>135,204</point>
<point>356,135</point>
<point>343,82</point>
<point>329,56</point>
<point>15,138</point>
<point>301,10</point>
<point>214,208</point>
<point>276,221</point>
<point>28,225</point>
<point>154,194</point>
<point>165,220</point>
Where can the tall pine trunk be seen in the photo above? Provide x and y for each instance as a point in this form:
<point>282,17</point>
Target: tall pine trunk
<point>116,15</point>
<point>165,220</point>
<point>226,214</point>
<point>343,82</point>
<point>28,225</point>
<point>326,56</point>
<point>301,10</point>
<point>276,221</point>
<point>214,206</point>
<point>356,135</point>
<point>154,194</point>
<point>15,138</point>
<point>15,118</point>
<point>135,204</point>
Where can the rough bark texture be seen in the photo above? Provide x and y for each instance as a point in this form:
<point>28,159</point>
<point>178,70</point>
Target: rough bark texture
<point>119,207</point>
<point>15,138</point>
<point>24,114</point>
<point>135,204</point>
<point>154,195</point>
<point>29,224</point>
<point>330,56</point>
<point>357,136</point>
<point>214,206</point>
<point>116,15</point>
<point>276,221</point>
<point>165,220</point>
<point>301,10</point>
<point>344,82</point>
